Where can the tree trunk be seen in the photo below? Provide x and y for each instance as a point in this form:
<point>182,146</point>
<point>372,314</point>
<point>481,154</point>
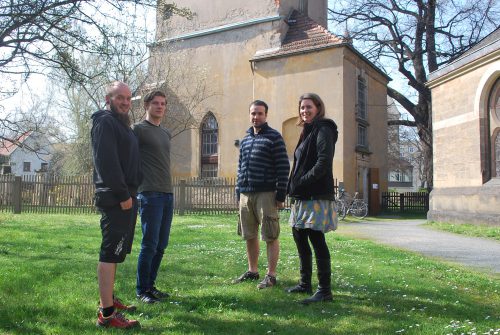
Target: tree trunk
<point>425,134</point>
<point>422,113</point>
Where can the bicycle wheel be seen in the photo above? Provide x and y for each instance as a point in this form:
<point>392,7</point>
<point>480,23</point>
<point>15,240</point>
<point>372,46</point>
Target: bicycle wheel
<point>359,209</point>
<point>341,209</point>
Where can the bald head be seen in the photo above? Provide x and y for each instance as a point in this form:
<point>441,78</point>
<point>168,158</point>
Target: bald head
<point>118,97</point>
<point>115,86</point>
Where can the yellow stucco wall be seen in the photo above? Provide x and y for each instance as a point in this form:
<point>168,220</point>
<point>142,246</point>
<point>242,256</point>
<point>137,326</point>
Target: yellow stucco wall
<point>213,14</point>
<point>284,80</point>
<point>280,82</point>
<point>377,119</point>
<point>225,57</point>
<point>217,13</point>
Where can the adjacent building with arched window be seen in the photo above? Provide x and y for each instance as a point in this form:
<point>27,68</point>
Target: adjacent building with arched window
<point>466,140</point>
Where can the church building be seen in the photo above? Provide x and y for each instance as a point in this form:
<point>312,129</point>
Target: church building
<point>229,53</point>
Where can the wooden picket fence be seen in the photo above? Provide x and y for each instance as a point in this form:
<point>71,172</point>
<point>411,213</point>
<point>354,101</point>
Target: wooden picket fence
<point>205,195</point>
<point>46,194</point>
<point>408,202</point>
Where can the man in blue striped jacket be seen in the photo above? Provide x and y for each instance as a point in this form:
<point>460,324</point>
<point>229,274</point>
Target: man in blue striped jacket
<point>263,169</point>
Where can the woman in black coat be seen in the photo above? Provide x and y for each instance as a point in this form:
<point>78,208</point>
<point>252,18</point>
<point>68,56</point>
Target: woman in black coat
<point>311,188</point>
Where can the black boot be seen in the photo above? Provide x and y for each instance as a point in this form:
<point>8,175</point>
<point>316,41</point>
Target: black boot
<point>304,285</point>
<point>324,292</point>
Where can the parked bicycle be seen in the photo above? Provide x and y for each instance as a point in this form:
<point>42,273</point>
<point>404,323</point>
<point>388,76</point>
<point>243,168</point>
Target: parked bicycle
<point>346,204</point>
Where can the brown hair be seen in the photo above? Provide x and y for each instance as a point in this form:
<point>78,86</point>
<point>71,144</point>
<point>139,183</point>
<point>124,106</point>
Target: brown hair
<point>151,95</point>
<point>259,103</point>
<point>317,102</point>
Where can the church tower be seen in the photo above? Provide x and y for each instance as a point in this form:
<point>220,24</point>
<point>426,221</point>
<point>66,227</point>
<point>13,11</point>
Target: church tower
<point>219,13</point>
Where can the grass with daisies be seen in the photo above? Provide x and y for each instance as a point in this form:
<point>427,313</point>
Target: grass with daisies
<point>48,285</point>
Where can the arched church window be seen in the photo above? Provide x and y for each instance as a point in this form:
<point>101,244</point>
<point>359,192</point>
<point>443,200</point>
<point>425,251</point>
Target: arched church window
<point>494,131</point>
<point>497,155</point>
<point>209,147</point>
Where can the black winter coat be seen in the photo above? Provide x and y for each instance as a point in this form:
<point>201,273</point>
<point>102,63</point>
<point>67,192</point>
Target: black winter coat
<point>312,172</point>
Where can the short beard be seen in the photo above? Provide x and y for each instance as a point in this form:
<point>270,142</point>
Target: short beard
<point>124,118</point>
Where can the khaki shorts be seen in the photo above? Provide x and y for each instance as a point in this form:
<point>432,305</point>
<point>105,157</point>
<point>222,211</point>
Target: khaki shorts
<point>259,209</point>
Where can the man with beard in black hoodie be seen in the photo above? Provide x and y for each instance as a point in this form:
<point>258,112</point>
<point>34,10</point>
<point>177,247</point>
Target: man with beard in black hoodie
<point>116,177</point>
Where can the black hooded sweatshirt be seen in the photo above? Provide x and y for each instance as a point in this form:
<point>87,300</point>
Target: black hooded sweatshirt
<point>312,175</point>
<point>116,158</point>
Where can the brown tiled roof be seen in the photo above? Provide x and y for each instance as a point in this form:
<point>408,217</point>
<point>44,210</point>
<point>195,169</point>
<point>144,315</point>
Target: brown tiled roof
<point>303,35</point>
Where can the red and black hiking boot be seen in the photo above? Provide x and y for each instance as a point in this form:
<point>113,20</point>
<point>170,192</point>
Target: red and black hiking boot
<point>116,320</point>
<point>118,304</point>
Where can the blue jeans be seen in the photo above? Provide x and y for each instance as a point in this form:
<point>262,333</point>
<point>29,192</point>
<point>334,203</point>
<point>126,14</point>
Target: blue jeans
<point>156,210</point>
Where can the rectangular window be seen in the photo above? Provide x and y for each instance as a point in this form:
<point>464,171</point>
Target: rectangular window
<point>26,166</point>
<point>44,167</point>
<point>407,176</point>
<point>361,106</point>
<point>362,136</point>
<point>209,170</point>
<point>209,142</point>
<point>394,175</point>
<point>6,169</point>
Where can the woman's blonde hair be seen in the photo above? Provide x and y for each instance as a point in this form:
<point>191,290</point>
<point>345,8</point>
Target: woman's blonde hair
<point>317,102</point>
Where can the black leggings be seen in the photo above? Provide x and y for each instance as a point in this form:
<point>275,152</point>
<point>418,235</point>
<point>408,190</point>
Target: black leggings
<point>302,237</point>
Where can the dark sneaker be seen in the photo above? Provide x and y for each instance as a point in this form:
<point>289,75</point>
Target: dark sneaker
<point>159,294</point>
<point>148,298</point>
<point>116,320</point>
<point>246,276</point>
<point>268,281</point>
<point>121,306</point>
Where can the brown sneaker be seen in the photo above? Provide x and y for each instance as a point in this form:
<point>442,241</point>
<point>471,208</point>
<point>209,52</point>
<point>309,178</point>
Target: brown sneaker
<point>116,320</point>
<point>246,276</point>
<point>268,281</point>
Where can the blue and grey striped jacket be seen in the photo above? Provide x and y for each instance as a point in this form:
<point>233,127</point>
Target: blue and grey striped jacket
<point>263,165</point>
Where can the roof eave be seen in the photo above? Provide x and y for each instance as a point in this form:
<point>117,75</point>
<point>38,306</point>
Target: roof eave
<point>465,62</point>
<point>320,48</point>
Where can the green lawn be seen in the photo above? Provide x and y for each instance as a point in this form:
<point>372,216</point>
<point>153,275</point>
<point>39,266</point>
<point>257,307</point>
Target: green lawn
<point>486,231</point>
<point>48,285</point>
